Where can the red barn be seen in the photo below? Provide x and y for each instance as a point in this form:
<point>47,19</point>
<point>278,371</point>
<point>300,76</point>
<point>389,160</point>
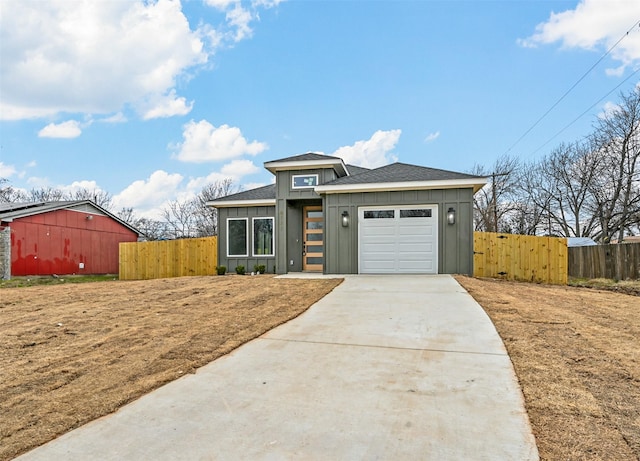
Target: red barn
<point>74,237</point>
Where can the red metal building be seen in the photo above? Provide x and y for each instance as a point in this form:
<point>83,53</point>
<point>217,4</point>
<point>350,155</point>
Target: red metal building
<point>74,237</point>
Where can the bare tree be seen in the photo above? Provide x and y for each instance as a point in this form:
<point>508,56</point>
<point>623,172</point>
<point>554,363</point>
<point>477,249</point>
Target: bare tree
<point>193,218</point>
<point>152,229</point>
<point>9,194</point>
<point>45,194</point>
<point>206,217</point>
<point>616,190</point>
<point>569,173</point>
<point>496,200</point>
<point>180,217</point>
<point>127,215</point>
<point>99,197</point>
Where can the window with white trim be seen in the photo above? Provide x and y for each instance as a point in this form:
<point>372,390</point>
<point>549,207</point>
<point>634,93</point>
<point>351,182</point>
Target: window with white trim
<point>237,237</point>
<point>263,236</point>
<point>304,181</point>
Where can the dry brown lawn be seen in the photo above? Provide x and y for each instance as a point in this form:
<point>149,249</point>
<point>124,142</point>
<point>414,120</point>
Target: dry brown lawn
<point>74,352</point>
<point>576,352</point>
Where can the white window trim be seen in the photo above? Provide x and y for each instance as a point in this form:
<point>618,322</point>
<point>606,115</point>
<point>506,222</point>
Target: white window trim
<point>246,250</point>
<point>273,240</point>
<point>293,180</point>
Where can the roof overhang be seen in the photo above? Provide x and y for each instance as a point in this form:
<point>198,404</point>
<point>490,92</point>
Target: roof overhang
<point>336,164</point>
<point>241,203</point>
<point>475,183</point>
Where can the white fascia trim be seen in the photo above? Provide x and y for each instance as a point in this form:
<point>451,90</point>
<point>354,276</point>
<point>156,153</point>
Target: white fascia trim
<point>242,203</point>
<point>306,165</point>
<point>477,184</point>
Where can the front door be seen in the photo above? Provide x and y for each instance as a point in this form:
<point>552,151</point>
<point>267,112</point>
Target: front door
<point>313,239</point>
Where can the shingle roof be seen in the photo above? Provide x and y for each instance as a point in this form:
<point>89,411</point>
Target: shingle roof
<point>400,172</point>
<point>309,156</point>
<point>353,169</point>
<point>260,193</point>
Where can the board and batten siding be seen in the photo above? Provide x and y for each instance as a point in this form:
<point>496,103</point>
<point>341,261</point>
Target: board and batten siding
<point>455,242</point>
<point>249,261</point>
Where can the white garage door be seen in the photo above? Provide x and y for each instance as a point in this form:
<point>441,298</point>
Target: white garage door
<point>398,240</point>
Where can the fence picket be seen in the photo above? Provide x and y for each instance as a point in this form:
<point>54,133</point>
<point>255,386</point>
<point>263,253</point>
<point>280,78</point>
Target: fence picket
<point>168,258</point>
<point>616,261</point>
<point>520,257</point>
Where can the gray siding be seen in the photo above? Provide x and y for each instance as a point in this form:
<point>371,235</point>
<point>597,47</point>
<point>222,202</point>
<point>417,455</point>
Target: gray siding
<point>286,192</point>
<point>289,233</point>
<point>455,242</point>
<point>250,261</point>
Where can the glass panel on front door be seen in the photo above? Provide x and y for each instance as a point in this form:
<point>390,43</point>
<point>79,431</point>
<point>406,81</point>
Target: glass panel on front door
<point>312,249</point>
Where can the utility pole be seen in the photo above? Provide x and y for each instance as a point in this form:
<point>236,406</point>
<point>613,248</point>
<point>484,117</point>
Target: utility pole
<point>493,211</point>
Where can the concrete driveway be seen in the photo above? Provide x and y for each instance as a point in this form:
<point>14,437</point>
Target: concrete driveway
<point>383,368</point>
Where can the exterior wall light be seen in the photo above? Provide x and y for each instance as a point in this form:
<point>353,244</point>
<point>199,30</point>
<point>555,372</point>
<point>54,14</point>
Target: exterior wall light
<point>451,216</point>
<point>89,217</point>
<point>345,218</point>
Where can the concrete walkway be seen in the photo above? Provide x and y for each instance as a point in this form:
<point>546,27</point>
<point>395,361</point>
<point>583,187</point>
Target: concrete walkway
<point>383,368</point>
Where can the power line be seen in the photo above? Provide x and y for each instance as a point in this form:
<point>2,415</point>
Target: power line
<point>572,87</point>
<point>585,112</point>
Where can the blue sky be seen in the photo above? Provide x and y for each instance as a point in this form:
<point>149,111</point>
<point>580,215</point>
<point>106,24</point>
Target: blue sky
<point>151,100</point>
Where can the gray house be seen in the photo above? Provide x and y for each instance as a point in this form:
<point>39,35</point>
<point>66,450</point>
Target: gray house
<point>326,216</point>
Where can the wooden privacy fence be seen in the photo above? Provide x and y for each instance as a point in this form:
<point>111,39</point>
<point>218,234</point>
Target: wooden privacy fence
<point>520,257</point>
<point>168,258</point>
<point>619,262</point>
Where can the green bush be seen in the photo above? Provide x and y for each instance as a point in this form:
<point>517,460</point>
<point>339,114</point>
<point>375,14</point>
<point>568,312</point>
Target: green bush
<point>221,270</point>
<point>240,270</point>
<point>259,268</point>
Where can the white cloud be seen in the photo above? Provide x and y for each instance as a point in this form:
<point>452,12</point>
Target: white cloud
<point>76,186</point>
<point>168,106</point>
<point>373,152</point>
<point>220,4</point>
<point>235,171</point>
<point>239,168</point>
<point>92,57</point>
<point>115,118</point>
<point>100,56</point>
<point>240,18</point>
<point>432,136</point>
<point>147,196</point>
<point>6,170</point>
<point>594,24</point>
<point>203,142</point>
<point>68,129</point>
<point>266,3</point>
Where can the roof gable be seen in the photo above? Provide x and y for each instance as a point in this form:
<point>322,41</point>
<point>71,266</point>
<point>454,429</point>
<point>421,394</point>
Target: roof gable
<point>309,156</point>
<point>11,211</point>
<point>308,161</point>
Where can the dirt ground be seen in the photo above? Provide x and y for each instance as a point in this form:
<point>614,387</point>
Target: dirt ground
<point>576,352</point>
<point>74,352</point>
<point>70,353</point>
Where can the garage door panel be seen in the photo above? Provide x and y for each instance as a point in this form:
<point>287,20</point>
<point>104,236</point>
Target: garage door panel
<point>417,247</point>
<point>398,245</point>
